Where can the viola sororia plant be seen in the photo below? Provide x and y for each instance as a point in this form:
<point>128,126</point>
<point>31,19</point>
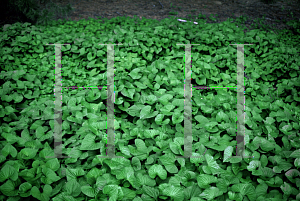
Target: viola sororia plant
<point>149,141</point>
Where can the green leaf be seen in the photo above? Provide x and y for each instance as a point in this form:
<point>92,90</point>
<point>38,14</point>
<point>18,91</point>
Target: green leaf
<point>140,85</point>
<point>79,115</point>
<point>73,119</point>
<point>221,116</point>
<point>73,188</point>
<point>88,143</point>
<point>177,118</point>
<point>151,133</point>
<point>151,99</point>
<point>113,191</point>
<point>156,86</point>
<point>135,110</point>
<point>204,180</point>
<point>211,193</point>
<point>51,176</point>
<point>82,51</point>
<point>253,165</point>
<point>167,109</point>
<point>202,120</point>
<point>53,164</point>
<point>24,39</point>
<point>90,56</point>
<point>245,189</point>
<point>295,154</point>
<point>226,106</point>
<point>266,145</point>
<point>153,192</point>
<point>225,76</point>
<point>297,162</point>
<point>136,163</point>
<point>40,132</point>
<point>228,153</point>
<point>135,73</point>
<point>9,149</point>
<point>157,170</point>
<point>95,108</point>
<point>17,97</point>
<point>264,161</point>
<point>261,190</point>
<point>198,159</point>
<point>65,125</point>
<point>207,58</point>
<point>27,153</point>
<point>74,173</point>
<point>210,125</point>
<point>168,161</point>
<point>25,187</point>
<point>175,148</point>
<point>8,172</point>
<point>128,193</point>
<point>269,120</point>
<point>178,102</point>
<point>140,146</point>
<point>212,164</point>
<point>206,65</point>
<point>192,192</point>
<point>159,118</point>
<point>45,196</point>
<point>92,63</point>
<point>88,191</point>
<point>93,72</point>
<point>72,102</point>
<point>174,192</point>
<point>9,109</point>
<point>46,192</point>
<point>145,112</point>
<point>128,92</point>
<point>285,129</point>
<point>91,96</point>
<point>165,99</point>
<point>8,189</point>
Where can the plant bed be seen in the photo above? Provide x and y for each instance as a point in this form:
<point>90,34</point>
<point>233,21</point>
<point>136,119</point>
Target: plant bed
<point>148,115</point>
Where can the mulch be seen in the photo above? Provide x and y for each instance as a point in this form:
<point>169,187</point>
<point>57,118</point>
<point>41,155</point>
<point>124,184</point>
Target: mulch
<point>185,9</point>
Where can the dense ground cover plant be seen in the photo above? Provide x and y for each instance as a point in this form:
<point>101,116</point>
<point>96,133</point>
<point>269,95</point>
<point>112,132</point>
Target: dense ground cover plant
<point>149,106</point>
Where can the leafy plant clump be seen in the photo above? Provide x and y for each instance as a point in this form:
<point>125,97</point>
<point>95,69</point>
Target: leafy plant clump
<point>149,107</point>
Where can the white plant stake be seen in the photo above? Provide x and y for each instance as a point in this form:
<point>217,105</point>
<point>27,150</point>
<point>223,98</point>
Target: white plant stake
<point>185,21</point>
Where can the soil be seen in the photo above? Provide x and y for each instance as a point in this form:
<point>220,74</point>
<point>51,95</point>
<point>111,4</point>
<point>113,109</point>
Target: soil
<point>189,9</point>
<point>281,10</point>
